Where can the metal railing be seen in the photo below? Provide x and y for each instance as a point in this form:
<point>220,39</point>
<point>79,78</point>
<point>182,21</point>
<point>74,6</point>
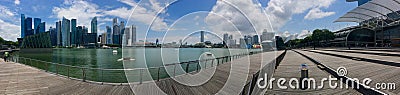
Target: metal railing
<point>251,87</point>
<point>119,76</point>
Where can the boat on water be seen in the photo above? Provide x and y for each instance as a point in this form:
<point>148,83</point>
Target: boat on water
<point>115,51</point>
<point>126,59</point>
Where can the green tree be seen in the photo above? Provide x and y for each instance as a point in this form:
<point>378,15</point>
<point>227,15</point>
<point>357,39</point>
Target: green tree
<point>2,40</point>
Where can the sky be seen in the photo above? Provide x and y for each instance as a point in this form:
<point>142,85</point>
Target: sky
<point>173,20</point>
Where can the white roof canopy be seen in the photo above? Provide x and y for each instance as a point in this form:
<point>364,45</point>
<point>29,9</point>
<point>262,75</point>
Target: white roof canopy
<point>371,9</point>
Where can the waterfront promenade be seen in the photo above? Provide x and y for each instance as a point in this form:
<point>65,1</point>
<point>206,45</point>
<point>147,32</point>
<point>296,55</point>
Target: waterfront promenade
<point>380,68</point>
<point>228,78</point>
<point>21,79</point>
<point>290,68</point>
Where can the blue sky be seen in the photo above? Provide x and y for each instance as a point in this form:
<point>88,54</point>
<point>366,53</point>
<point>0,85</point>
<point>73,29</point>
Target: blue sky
<point>182,17</point>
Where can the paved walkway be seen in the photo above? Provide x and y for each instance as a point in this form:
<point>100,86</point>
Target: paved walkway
<point>389,60</point>
<point>379,73</point>
<point>21,79</point>
<point>229,78</point>
<point>365,51</point>
<point>290,68</point>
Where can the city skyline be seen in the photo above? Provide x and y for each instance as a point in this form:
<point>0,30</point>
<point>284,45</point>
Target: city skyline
<point>292,24</point>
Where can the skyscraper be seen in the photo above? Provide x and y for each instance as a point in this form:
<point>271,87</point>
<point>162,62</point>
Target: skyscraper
<point>53,36</point>
<point>59,35</point>
<point>130,35</point>
<point>36,24</point>
<point>122,30</point>
<point>103,39</point>
<point>256,39</point>
<point>23,25</point>
<point>79,36</point>
<point>225,38</point>
<point>66,34</point>
<point>201,36</point>
<point>109,35</point>
<point>93,24</point>
<point>28,27</point>
<point>74,33</point>
<point>42,27</point>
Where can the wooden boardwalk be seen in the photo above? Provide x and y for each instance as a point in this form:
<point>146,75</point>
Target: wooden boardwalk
<point>228,78</point>
<point>21,79</point>
<point>290,68</point>
<point>379,73</point>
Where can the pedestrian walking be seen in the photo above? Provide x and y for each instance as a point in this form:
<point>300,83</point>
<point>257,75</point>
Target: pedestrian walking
<point>6,54</point>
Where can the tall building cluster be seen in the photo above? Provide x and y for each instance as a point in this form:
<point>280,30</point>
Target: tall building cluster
<point>228,40</point>
<point>115,34</point>
<point>67,33</point>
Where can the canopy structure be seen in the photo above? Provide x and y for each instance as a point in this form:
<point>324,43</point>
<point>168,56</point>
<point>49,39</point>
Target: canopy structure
<point>372,9</point>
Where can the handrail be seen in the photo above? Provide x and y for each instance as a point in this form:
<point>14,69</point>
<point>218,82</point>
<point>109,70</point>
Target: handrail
<point>82,73</point>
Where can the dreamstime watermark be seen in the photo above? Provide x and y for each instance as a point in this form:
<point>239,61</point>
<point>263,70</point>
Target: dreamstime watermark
<point>333,83</point>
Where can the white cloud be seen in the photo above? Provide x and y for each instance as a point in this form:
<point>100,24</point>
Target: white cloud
<point>81,10</point>
<point>237,17</point>
<point>6,12</point>
<point>303,34</point>
<point>316,13</point>
<point>144,12</point>
<point>9,31</point>
<point>17,2</point>
<point>281,11</point>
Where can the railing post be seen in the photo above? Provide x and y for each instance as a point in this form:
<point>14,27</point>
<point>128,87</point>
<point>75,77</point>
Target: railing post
<point>218,61</point>
<point>226,58</point>
<point>102,76</point>
<point>47,66</point>
<point>174,69</point>
<point>187,67</point>
<point>30,62</point>
<point>158,74</point>
<point>83,75</point>
<point>205,64</point>
<point>141,75</point>
<point>56,68</point>
<point>212,62</point>
<point>197,65</point>
<point>68,72</point>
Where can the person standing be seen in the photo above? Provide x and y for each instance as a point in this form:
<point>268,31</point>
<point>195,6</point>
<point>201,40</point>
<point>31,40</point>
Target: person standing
<point>6,54</point>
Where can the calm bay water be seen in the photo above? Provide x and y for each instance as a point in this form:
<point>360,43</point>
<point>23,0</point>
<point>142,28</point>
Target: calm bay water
<point>106,59</point>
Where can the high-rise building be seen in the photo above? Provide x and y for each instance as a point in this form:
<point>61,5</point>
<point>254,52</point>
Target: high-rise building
<point>109,35</point>
<point>202,36</point>
<point>130,35</point>
<point>65,31</point>
<point>225,39</point>
<point>122,27</point>
<point>248,40</point>
<point>28,27</point>
<point>256,39</point>
<point>23,25</point>
<point>267,35</point>
<point>59,35</point>
<point>115,21</point>
<point>53,36</point>
<point>242,43</point>
<point>116,32</point>
<point>103,39</point>
<point>79,35</point>
<point>74,33</point>
<point>36,23</point>
<point>42,27</point>
<point>93,24</point>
